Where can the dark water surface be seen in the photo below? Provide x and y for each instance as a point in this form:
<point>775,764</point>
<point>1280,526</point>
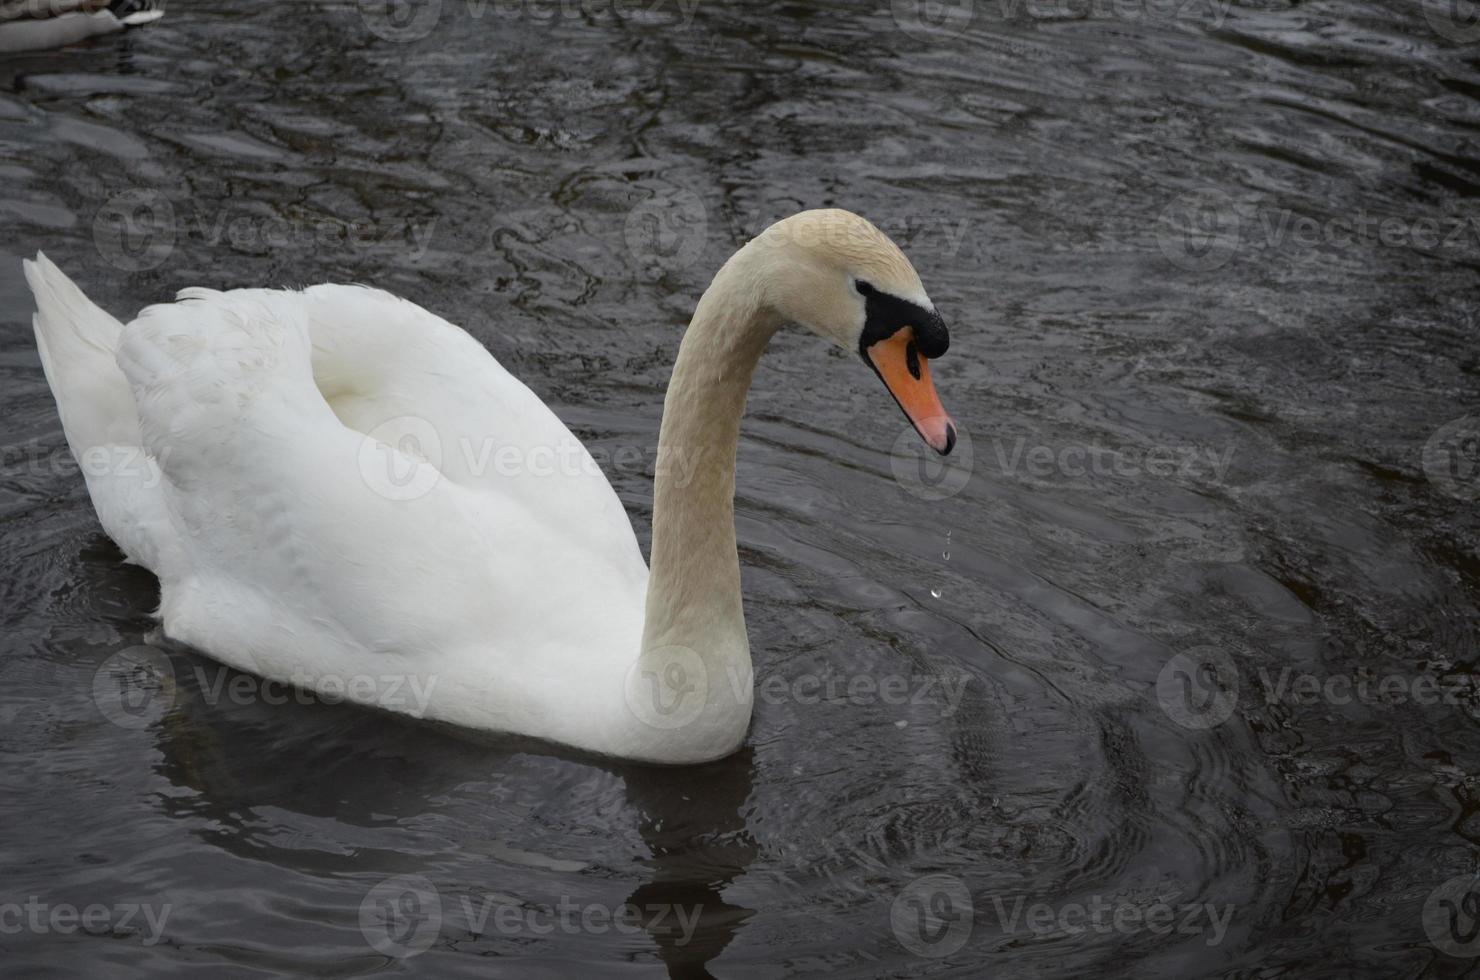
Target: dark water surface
<point>1211,277</point>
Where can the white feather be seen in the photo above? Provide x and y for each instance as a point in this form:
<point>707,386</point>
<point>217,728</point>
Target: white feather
<point>265,514</point>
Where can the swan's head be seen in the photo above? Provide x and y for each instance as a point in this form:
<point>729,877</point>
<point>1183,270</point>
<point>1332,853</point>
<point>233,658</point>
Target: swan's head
<point>839,276</point>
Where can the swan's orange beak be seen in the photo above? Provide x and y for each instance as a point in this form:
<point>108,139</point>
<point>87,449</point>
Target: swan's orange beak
<point>897,360</point>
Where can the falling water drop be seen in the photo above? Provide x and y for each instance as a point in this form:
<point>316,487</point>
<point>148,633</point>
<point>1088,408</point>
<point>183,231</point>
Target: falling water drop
<point>946,554</point>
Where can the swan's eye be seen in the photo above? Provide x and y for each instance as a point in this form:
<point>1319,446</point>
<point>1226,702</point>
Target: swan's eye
<point>863,287</point>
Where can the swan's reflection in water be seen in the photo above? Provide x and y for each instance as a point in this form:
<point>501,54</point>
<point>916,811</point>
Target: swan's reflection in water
<point>358,797</point>
<point>693,823</point>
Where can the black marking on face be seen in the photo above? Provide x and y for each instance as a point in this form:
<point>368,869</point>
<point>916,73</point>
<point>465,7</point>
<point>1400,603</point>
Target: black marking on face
<point>885,315</point>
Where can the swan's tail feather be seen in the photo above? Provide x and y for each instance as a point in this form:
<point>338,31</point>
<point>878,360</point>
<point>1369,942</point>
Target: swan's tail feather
<point>77,341</point>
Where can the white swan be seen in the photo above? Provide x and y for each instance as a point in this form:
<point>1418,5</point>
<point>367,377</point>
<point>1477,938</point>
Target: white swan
<point>342,491</point>
<point>32,25</point>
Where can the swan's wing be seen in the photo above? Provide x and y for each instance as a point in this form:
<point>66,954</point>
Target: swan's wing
<point>280,421</point>
<point>289,561</point>
<point>413,380</point>
<point>206,372</point>
<point>399,375</point>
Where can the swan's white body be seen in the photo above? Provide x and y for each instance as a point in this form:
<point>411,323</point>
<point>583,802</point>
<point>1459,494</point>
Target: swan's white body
<point>32,25</point>
<point>342,491</point>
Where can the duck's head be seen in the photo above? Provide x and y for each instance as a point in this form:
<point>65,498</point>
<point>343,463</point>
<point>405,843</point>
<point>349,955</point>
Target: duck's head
<point>839,276</point>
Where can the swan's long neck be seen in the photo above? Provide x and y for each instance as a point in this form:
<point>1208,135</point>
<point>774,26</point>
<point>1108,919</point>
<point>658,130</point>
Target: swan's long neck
<point>693,597</point>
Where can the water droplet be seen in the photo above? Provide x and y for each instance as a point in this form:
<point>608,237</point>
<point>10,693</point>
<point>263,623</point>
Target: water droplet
<point>935,593</point>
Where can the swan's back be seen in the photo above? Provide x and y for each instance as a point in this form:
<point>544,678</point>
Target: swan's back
<point>335,474</point>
